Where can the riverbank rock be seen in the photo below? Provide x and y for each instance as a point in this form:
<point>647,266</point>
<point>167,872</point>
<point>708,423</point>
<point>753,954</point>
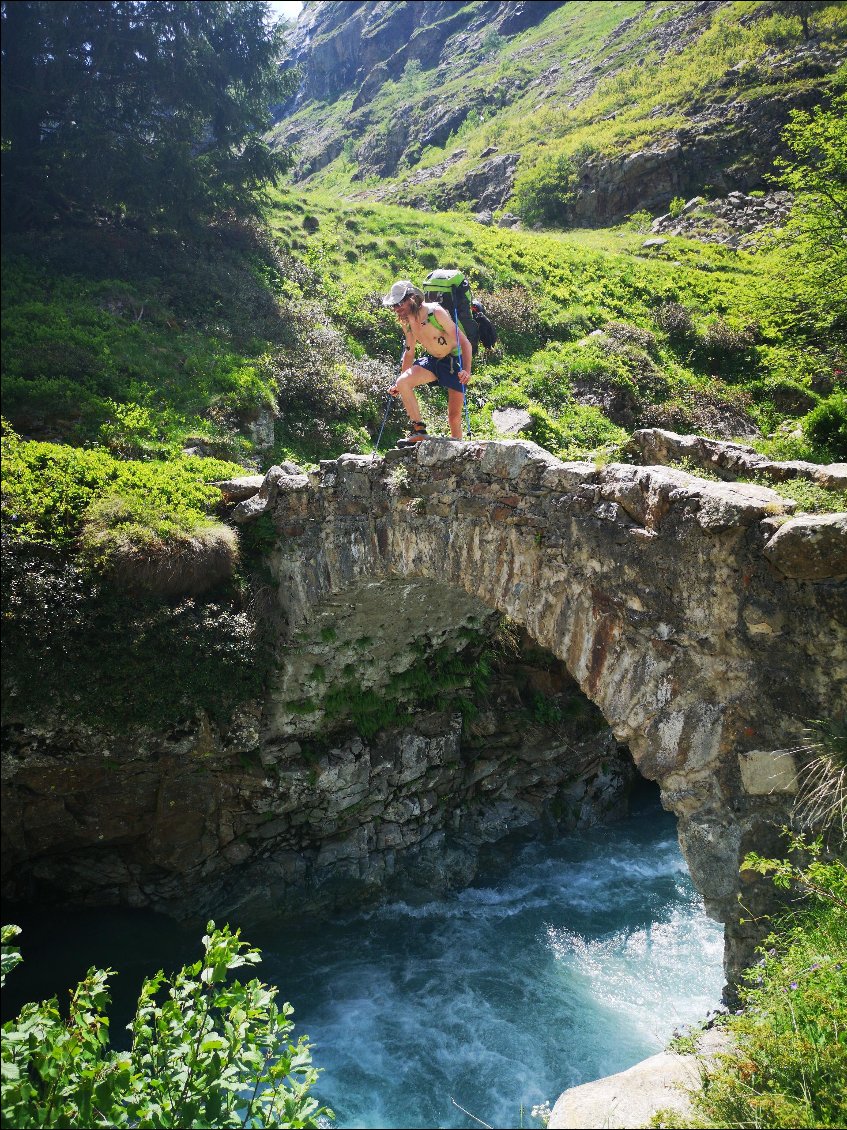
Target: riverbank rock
<point>630,1098</point>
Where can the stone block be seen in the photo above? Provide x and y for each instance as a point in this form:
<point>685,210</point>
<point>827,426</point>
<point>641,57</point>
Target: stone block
<point>505,458</point>
<point>812,547</point>
<point>764,772</point>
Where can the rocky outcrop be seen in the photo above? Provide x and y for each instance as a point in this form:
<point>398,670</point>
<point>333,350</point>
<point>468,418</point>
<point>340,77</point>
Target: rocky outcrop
<point>731,220</point>
<point>340,46</point>
<point>300,813</point>
<point>727,146</point>
<point>631,1098</point>
<point>810,548</point>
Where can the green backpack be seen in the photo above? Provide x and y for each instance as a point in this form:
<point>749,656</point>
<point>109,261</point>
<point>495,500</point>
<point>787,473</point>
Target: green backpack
<point>451,290</point>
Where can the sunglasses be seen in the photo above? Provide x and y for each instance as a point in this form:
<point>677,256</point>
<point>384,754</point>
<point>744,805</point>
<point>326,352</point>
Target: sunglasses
<point>399,305</point>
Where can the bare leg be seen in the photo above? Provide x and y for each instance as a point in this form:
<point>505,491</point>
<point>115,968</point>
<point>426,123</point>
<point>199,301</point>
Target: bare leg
<point>455,403</point>
<point>406,384</point>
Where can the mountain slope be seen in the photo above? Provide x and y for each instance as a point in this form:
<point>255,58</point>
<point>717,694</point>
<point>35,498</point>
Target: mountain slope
<point>447,103</point>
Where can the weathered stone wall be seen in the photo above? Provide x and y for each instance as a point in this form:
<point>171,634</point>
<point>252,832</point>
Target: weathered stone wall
<point>666,596</point>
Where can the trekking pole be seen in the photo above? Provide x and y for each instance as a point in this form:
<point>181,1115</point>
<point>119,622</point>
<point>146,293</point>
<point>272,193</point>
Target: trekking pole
<point>390,400</point>
<point>464,386</point>
<point>388,405</point>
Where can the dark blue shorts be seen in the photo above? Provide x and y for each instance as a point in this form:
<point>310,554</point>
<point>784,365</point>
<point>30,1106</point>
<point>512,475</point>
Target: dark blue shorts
<point>444,369</point>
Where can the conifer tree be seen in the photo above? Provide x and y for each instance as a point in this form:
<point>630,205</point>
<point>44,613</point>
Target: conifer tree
<point>150,111</point>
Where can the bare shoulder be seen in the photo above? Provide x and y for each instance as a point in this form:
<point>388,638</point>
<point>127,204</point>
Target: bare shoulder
<point>433,308</point>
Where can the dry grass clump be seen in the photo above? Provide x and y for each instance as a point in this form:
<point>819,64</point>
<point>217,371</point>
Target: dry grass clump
<point>821,804</point>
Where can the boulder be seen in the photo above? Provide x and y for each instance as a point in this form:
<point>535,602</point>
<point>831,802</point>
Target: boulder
<point>811,547</point>
<point>631,1097</point>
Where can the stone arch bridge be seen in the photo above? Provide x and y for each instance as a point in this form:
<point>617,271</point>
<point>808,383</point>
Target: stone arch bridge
<point>706,623</point>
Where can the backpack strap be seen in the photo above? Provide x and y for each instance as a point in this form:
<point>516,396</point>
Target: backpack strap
<point>431,317</point>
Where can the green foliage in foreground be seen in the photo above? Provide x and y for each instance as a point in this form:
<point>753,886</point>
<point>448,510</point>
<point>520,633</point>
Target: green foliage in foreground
<point>788,1066</point>
<point>205,1051</point>
<point>51,490</point>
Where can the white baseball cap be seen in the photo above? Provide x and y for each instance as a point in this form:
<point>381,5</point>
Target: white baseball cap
<point>400,290</point>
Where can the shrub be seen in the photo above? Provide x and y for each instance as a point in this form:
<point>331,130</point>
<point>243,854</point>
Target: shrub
<point>630,335</point>
<point>581,430</point>
<point>544,191</point>
<point>515,314</point>
<point>205,1051</point>
<point>826,425</point>
<point>712,409</point>
<point>676,321</point>
<point>789,397</point>
<point>676,206</point>
<point>725,346</point>
<point>149,549</point>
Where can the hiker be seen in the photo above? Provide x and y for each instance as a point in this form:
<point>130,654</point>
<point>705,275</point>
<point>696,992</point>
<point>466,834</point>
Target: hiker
<point>429,325</point>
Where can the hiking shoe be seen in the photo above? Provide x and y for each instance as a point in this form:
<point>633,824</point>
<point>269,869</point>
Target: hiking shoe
<point>417,434</point>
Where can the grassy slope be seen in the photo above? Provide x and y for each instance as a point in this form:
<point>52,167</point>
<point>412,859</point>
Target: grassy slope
<point>139,356</point>
<point>142,346</point>
<point>548,291</point>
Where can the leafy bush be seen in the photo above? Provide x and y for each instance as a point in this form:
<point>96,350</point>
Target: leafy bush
<point>676,321</point>
<point>675,207</point>
<point>516,317</point>
<point>789,397</point>
<point>578,432</point>
<point>712,408</point>
<point>826,425</point>
<point>725,345</point>
<point>206,1051</point>
<point>145,549</point>
<point>626,334</point>
<point>543,192</point>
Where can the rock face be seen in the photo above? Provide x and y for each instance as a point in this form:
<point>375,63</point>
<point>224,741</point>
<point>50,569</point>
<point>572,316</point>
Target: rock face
<point>730,220</point>
<point>342,48</point>
<point>728,147</point>
<point>296,812</point>
<point>676,604</point>
<point>727,139</point>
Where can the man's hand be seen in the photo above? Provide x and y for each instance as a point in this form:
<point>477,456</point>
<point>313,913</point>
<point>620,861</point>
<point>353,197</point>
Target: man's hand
<point>394,391</point>
<point>464,376</point>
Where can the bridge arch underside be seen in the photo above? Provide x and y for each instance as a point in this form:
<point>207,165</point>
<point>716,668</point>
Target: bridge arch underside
<point>673,632</point>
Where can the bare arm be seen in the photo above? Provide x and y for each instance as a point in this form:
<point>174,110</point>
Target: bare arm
<point>408,358</point>
<point>467,358</point>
